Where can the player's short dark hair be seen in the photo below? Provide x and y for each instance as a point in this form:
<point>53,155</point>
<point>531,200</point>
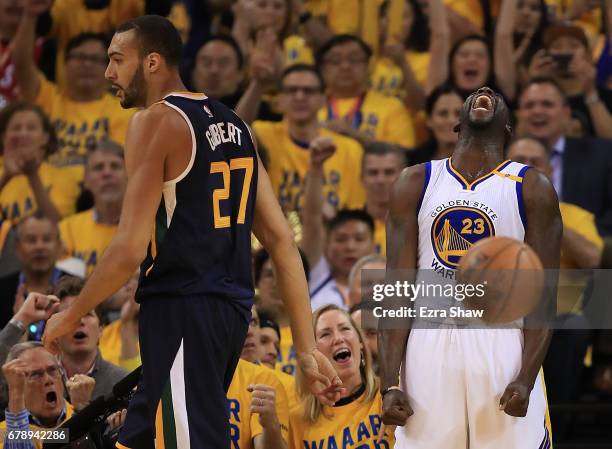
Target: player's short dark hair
<point>340,39</point>
<point>262,256</point>
<point>229,40</point>
<point>434,96</point>
<point>545,80</point>
<point>300,68</point>
<point>345,215</point>
<point>81,38</point>
<point>18,106</point>
<point>156,34</point>
<point>267,320</point>
<point>379,148</point>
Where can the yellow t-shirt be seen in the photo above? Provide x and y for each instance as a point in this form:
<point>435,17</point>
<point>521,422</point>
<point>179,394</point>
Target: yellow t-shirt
<point>472,10</point>
<point>572,283</point>
<point>72,17</point>
<point>380,237</point>
<point>38,444</point>
<point>582,222</point>
<point>288,164</point>
<point>110,347</point>
<point>289,386</point>
<point>387,78</point>
<point>80,125</point>
<point>589,21</point>
<point>383,118</point>
<point>244,425</point>
<point>17,198</point>
<point>297,51</point>
<point>287,358</point>
<point>86,239</point>
<point>359,17</point>
<point>355,425</point>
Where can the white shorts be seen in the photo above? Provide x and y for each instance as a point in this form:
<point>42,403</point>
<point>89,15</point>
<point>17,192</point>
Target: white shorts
<point>454,379</point>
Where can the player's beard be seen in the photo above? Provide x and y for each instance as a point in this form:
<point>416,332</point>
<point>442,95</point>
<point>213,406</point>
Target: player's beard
<point>135,94</point>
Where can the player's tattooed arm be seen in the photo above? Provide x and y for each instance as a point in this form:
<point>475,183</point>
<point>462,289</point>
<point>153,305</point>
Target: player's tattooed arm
<point>402,242</point>
<point>543,234</point>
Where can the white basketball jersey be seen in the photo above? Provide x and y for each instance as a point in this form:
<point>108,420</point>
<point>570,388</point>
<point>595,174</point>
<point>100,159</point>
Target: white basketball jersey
<point>454,214</point>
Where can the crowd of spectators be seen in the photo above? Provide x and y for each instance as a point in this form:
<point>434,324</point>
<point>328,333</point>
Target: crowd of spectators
<point>341,96</point>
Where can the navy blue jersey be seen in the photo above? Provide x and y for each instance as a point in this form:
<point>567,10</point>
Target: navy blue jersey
<point>202,237</point>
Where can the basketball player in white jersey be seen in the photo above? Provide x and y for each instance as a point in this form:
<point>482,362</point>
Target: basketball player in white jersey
<point>469,388</point>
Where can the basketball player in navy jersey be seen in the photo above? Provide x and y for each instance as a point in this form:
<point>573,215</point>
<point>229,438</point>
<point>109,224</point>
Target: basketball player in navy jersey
<point>196,189</point>
<point>468,388</point>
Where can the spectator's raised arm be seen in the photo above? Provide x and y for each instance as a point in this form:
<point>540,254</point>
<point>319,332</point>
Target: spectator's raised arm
<point>26,72</point>
<point>439,46</point>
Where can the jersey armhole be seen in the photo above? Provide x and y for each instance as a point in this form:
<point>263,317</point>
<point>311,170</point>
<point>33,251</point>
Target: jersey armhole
<point>193,146</point>
<point>425,184</point>
<point>519,196</point>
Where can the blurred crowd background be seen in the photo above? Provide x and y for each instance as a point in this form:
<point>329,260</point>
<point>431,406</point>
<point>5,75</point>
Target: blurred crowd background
<point>341,96</point>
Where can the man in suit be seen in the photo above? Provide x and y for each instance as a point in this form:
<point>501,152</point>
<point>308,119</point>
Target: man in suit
<point>582,168</point>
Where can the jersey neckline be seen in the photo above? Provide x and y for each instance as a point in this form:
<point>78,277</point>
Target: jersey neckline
<point>472,185</point>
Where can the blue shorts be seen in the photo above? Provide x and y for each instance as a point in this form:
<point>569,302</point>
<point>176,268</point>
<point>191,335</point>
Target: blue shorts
<point>189,349</point>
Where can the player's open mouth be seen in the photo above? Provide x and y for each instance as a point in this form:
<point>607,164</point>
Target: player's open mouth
<point>483,101</point>
<point>342,355</point>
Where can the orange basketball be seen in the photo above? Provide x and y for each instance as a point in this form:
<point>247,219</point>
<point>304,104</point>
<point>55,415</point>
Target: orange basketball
<point>511,273</point>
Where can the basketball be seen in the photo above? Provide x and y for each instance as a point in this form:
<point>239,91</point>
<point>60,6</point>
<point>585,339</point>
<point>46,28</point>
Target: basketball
<point>512,274</point>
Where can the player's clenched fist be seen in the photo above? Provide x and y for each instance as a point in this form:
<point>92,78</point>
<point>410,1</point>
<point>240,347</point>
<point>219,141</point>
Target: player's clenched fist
<point>396,409</point>
<point>515,400</point>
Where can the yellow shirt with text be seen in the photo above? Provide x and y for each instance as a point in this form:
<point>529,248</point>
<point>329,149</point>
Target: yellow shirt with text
<point>288,164</point>
<point>287,357</point>
<point>387,78</point>
<point>86,239</point>
<point>80,125</point>
<point>72,17</point>
<point>383,118</point>
<point>17,198</point>
<point>355,425</point>
<point>244,425</point>
<point>297,51</point>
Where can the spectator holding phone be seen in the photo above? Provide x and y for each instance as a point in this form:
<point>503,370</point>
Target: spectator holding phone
<point>566,57</point>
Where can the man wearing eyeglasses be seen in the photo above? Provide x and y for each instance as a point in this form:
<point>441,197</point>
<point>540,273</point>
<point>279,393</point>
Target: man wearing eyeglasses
<point>351,108</point>
<point>289,144</point>
<point>84,112</point>
<point>36,394</point>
